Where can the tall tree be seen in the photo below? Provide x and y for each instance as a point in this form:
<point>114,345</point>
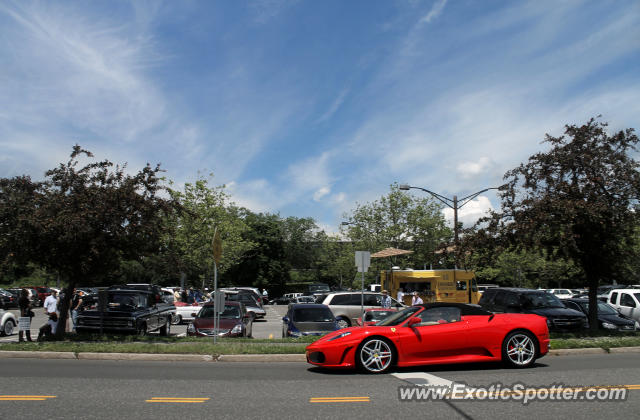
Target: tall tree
<point>204,210</point>
<point>577,201</point>
<point>81,221</point>
<point>400,220</point>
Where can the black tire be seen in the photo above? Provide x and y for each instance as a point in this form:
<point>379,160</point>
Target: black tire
<point>519,349</point>
<point>343,322</point>
<point>141,331</point>
<point>165,330</point>
<point>375,355</point>
<point>176,319</point>
<point>8,327</point>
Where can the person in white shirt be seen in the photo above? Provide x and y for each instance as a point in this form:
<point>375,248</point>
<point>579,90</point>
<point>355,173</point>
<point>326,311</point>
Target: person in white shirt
<point>400,296</point>
<point>416,300</point>
<point>51,303</point>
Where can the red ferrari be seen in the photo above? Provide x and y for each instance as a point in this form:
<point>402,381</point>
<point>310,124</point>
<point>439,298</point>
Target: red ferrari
<point>435,333</point>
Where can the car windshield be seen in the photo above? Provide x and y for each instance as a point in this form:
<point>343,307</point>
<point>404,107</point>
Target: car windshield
<point>399,317</point>
<point>315,288</point>
<point>126,300</point>
<point>377,315</point>
<point>230,312</point>
<point>541,300</point>
<point>310,314</point>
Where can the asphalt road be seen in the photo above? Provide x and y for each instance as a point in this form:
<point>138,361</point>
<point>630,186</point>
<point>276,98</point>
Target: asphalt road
<point>118,389</point>
<point>269,327</point>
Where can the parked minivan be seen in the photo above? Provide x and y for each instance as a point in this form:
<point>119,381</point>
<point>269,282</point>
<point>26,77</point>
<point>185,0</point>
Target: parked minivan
<point>626,301</point>
<point>346,306</point>
<point>529,301</point>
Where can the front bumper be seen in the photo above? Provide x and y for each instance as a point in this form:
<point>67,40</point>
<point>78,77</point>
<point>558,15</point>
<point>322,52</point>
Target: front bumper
<point>332,355</point>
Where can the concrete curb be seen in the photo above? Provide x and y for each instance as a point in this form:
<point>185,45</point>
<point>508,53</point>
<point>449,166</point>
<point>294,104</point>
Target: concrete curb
<point>147,356</point>
<point>242,358</point>
<point>262,358</point>
<point>577,352</point>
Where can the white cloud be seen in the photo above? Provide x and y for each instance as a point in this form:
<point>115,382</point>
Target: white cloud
<point>473,168</point>
<point>317,196</point>
<point>469,213</point>
<point>334,106</point>
<point>435,11</point>
<point>311,173</point>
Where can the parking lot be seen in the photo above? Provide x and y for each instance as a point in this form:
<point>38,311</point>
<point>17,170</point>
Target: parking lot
<point>269,327</point>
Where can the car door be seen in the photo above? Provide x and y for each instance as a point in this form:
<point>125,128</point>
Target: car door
<point>628,306</point>
<point>439,335</point>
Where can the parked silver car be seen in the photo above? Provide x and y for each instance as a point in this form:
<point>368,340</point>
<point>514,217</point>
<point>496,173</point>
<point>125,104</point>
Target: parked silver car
<point>346,305</point>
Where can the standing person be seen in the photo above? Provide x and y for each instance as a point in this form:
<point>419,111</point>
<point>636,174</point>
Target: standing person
<point>400,296</point>
<point>51,303</point>
<point>176,295</point>
<point>416,300</point>
<point>76,306</point>
<point>386,300</point>
<point>25,311</point>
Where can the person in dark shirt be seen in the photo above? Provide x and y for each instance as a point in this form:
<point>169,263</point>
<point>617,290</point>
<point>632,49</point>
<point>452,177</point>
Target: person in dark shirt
<point>25,311</point>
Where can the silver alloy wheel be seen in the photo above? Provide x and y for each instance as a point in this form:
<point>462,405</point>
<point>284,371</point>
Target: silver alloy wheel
<point>521,350</point>
<point>8,327</point>
<point>376,355</point>
<point>343,323</point>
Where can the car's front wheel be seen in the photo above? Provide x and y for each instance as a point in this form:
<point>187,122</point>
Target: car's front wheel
<point>375,355</point>
<point>519,349</point>
<point>343,322</point>
<point>142,330</point>
<point>7,329</point>
<point>176,319</point>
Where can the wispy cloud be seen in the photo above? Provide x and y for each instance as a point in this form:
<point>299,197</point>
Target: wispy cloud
<point>435,11</point>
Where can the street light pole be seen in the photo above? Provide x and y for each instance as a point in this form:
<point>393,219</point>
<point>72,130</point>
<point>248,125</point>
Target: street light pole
<point>454,204</point>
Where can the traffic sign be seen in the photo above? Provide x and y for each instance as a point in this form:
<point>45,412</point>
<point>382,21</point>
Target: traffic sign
<point>363,261</point>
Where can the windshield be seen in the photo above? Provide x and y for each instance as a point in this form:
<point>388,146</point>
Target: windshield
<point>377,315</point>
<point>230,312</point>
<point>312,315</point>
<point>318,288</point>
<point>126,300</point>
<point>399,317</point>
<point>541,300</point>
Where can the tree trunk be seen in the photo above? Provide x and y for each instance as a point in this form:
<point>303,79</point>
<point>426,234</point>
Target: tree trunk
<point>65,303</point>
<point>593,302</point>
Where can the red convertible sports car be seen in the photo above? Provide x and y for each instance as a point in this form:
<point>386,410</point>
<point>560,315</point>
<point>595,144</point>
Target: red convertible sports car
<point>435,333</point>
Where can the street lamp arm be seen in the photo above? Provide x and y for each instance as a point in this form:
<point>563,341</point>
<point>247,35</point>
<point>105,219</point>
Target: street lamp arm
<point>446,201</point>
<point>465,200</point>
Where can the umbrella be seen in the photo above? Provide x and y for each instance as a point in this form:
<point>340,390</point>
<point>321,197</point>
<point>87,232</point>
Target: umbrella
<point>390,252</point>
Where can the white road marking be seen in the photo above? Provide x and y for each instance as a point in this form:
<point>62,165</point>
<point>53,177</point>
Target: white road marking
<point>423,378</point>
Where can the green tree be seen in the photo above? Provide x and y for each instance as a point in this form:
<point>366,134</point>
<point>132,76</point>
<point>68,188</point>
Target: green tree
<point>80,222</point>
<point>402,221</point>
<point>577,201</point>
<point>204,210</point>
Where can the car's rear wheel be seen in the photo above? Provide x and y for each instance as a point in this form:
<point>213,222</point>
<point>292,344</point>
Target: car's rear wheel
<point>8,327</point>
<point>176,319</point>
<point>519,349</point>
<point>375,355</point>
<point>343,322</point>
<point>165,330</point>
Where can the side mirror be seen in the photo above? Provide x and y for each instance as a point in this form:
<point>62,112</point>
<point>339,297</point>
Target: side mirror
<point>285,319</point>
<point>414,321</point>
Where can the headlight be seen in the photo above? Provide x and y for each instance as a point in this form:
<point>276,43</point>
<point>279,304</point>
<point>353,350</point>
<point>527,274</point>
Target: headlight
<point>344,334</point>
<point>609,326</point>
<point>637,325</point>
<point>191,328</point>
<point>237,329</point>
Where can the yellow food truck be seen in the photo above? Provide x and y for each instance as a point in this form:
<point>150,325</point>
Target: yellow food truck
<point>432,285</point>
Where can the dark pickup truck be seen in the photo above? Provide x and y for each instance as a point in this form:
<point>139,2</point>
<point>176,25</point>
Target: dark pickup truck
<point>128,312</point>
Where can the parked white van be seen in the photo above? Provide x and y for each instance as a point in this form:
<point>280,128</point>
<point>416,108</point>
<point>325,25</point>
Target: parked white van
<point>626,301</point>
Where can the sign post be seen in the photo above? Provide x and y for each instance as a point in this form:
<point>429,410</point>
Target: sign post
<point>217,254</point>
<point>363,261</point>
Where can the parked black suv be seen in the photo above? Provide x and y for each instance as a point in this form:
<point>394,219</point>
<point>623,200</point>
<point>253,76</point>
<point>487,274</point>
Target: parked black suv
<point>529,301</point>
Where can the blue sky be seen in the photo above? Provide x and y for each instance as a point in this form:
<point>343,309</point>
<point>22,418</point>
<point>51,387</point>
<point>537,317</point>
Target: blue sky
<point>308,107</point>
